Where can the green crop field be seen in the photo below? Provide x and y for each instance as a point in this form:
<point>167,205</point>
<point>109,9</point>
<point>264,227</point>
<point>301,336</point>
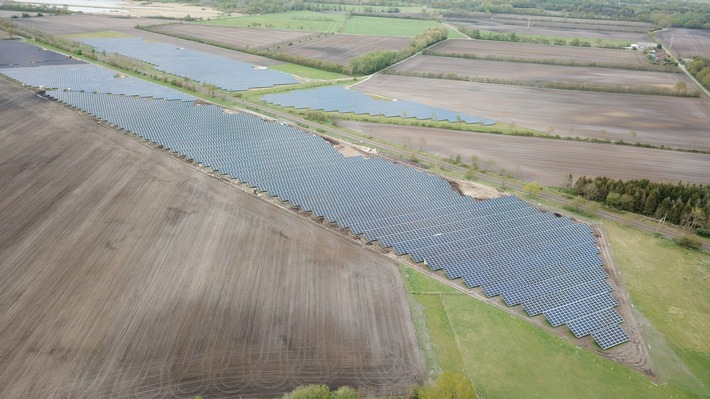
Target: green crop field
<point>104,34</point>
<point>378,26</point>
<point>307,72</point>
<point>292,20</point>
<point>506,357</point>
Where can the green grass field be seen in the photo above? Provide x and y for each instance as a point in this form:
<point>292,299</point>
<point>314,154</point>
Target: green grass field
<point>378,26</point>
<point>670,286</point>
<point>507,358</point>
<point>292,20</point>
<point>104,34</point>
<point>307,72</point>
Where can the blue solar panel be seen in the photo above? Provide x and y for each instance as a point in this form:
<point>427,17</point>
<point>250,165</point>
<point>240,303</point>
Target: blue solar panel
<point>610,336</point>
<point>223,72</point>
<point>91,78</point>
<point>509,248</point>
<point>340,99</point>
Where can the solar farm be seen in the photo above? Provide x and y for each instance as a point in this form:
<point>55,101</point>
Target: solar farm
<point>547,263</point>
<point>340,99</point>
<point>225,73</point>
<point>129,274</point>
<point>252,222</point>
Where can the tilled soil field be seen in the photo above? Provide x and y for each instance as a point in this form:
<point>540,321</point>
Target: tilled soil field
<point>127,273</point>
<point>340,49</point>
<point>544,160</point>
<point>547,29</point>
<point>560,22</point>
<point>686,42</point>
<point>657,120</point>
<point>234,36</point>
<point>536,74</point>
<point>559,54</point>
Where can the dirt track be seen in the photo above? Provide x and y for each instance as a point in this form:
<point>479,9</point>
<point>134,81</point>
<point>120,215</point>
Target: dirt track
<point>127,273</point>
<point>540,74</point>
<point>560,54</point>
<point>657,120</point>
<point>545,160</point>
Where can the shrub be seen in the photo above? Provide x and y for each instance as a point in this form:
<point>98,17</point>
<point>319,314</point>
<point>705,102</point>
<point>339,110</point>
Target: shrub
<point>448,386</point>
<point>310,392</point>
<point>689,242</point>
<point>345,392</point>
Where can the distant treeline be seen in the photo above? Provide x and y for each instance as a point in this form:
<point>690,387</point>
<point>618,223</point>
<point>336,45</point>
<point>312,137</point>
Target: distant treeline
<point>700,68</point>
<point>662,14</point>
<point>378,60</point>
<point>694,15</point>
<point>39,8</point>
<point>687,205</point>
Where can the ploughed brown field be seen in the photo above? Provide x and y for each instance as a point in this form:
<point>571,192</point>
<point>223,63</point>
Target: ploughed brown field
<point>590,33</point>
<point>544,160</point>
<point>535,74</point>
<point>128,273</point>
<point>235,36</point>
<point>82,24</point>
<point>559,54</point>
<point>557,22</point>
<point>340,49</point>
<point>686,42</point>
<point>657,120</point>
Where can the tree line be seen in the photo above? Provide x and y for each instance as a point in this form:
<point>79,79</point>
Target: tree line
<point>377,60</point>
<point>686,205</point>
<point>694,15</point>
<point>700,69</point>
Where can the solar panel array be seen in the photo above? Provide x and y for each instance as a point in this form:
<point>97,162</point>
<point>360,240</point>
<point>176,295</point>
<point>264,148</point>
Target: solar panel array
<point>91,78</point>
<point>548,264</point>
<point>15,53</point>
<point>340,99</point>
<point>223,72</point>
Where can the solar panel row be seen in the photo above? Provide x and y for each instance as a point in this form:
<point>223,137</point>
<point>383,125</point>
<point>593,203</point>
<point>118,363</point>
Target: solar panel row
<point>504,245</point>
<point>14,53</point>
<point>223,72</point>
<point>549,264</point>
<point>340,99</point>
<point>91,78</point>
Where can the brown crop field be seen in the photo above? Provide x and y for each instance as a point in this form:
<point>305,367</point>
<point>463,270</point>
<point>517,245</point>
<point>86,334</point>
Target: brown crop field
<point>657,120</point>
<point>565,30</point>
<point>85,24</point>
<point>557,22</point>
<point>128,273</point>
<point>340,49</point>
<point>686,42</point>
<point>545,160</point>
<point>536,74</point>
<point>559,54</point>
<point>235,36</point>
